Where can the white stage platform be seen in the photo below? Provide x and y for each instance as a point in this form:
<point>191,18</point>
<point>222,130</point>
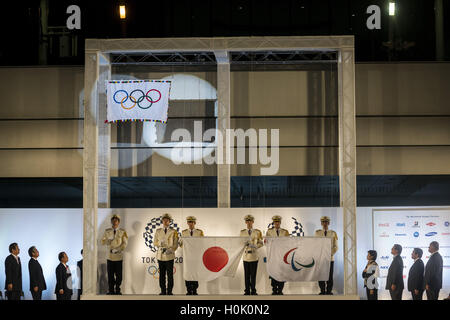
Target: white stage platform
<point>220,297</point>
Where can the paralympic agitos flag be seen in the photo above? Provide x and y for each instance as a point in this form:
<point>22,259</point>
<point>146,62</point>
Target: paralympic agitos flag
<point>137,100</point>
<point>208,258</point>
<point>298,258</point>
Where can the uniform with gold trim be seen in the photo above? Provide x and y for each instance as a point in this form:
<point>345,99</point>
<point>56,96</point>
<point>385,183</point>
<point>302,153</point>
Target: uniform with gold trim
<point>166,240</point>
<point>327,287</point>
<point>116,241</point>
<point>191,286</point>
<point>277,286</point>
<point>250,256</point>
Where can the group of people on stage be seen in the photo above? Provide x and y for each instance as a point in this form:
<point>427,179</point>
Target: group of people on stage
<point>420,278</point>
<point>13,271</point>
<point>167,242</point>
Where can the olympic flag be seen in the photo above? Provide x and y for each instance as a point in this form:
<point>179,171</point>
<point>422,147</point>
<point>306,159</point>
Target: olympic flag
<point>208,258</point>
<point>137,100</point>
<point>298,258</point>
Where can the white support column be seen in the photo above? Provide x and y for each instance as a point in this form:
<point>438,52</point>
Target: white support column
<point>347,165</point>
<point>104,135</point>
<point>90,172</point>
<point>223,115</point>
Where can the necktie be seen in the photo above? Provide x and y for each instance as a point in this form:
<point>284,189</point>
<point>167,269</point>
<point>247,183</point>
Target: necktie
<point>278,233</point>
<point>114,232</point>
<point>165,230</point>
<point>192,232</point>
<point>325,232</point>
<point>249,232</point>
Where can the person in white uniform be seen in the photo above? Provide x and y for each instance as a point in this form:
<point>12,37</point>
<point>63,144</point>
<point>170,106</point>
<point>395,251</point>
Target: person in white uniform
<point>191,231</point>
<point>326,287</point>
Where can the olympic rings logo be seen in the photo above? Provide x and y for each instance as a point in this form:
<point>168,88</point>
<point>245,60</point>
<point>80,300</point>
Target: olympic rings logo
<point>154,271</point>
<point>123,97</point>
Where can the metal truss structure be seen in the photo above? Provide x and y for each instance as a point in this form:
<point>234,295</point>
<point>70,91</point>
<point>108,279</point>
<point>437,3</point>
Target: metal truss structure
<point>101,54</point>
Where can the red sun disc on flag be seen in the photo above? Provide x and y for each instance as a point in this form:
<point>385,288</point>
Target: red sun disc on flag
<point>215,258</point>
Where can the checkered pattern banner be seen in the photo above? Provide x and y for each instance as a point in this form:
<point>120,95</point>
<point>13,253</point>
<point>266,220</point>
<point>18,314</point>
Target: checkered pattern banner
<point>150,231</point>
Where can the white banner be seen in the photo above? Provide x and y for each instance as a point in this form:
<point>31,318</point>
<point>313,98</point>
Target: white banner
<point>298,258</point>
<point>137,100</point>
<point>208,258</point>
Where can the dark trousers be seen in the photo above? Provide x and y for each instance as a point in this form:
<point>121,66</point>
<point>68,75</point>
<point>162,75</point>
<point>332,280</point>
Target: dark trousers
<point>396,294</point>
<point>372,296</point>
<point>329,283</point>
<point>13,295</point>
<point>250,269</point>
<point>114,269</point>
<point>166,268</point>
<point>80,292</point>
<point>191,287</point>
<point>36,295</point>
<point>432,294</point>
<point>417,296</point>
<point>277,286</point>
<point>64,296</point>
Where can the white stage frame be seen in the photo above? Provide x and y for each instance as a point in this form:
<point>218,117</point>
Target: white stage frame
<point>97,154</point>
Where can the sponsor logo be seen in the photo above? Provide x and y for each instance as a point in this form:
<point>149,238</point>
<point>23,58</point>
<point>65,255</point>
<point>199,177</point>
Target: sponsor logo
<point>447,224</point>
<point>384,257</point>
<point>400,234</point>
<point>403,257</point>
<point>415,225</point>
<point>384,235</point>
<point>416,234</point>
<point>384,267</point>
<point>446,233</point>
<point>430,234</point>
<point>446,267</point>
<point>383,224</point>
<point>401,224</point>
<point>404,276</point>
<point>296,266</point>
<point>431,224</point>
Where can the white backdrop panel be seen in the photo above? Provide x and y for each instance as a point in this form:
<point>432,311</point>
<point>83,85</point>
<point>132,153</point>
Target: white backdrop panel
<point>411,228</point>
<point>51,231</point>
<point>140,262</point>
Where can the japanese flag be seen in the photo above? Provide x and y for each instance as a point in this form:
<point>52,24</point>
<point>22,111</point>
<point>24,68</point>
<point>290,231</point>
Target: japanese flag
<point>208,258</point>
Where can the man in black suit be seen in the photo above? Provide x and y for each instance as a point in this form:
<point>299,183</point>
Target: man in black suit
<point>415,276</point>
<point>394,281</point>
<point>37,280</point>
<point>13,270</point>
<point>80,276</point>
<point>63,289</point>
<point>433,272</point>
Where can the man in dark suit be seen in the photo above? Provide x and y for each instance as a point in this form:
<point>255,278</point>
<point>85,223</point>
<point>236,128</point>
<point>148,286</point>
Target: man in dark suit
<point>63,289</point>
<point>37,280</point>
<point>415,276</point>
<point>394,281</point>
<point>13,270</point>
<point>433,272</point>
<point>80,276</point>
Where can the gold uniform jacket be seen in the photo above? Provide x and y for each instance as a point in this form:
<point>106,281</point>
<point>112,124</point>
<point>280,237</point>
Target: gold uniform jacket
<point>118,243</point>
<point>170,241</point>
<point>272,232</point>
<point>256,239</point>
<point>330,234</point>
<point>187,233</point>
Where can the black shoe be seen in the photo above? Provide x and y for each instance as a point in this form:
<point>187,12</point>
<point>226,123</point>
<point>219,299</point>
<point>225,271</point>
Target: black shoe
<point>246,293</point>
<point>169,293</point>
<point>110,293</point>
<point>162,293</point>
<point>280,293</point>
<point>329,293</point>
<point>195,293</point>
<point>254,293</point>
<point>322,293</point>
<point>274,293</point>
